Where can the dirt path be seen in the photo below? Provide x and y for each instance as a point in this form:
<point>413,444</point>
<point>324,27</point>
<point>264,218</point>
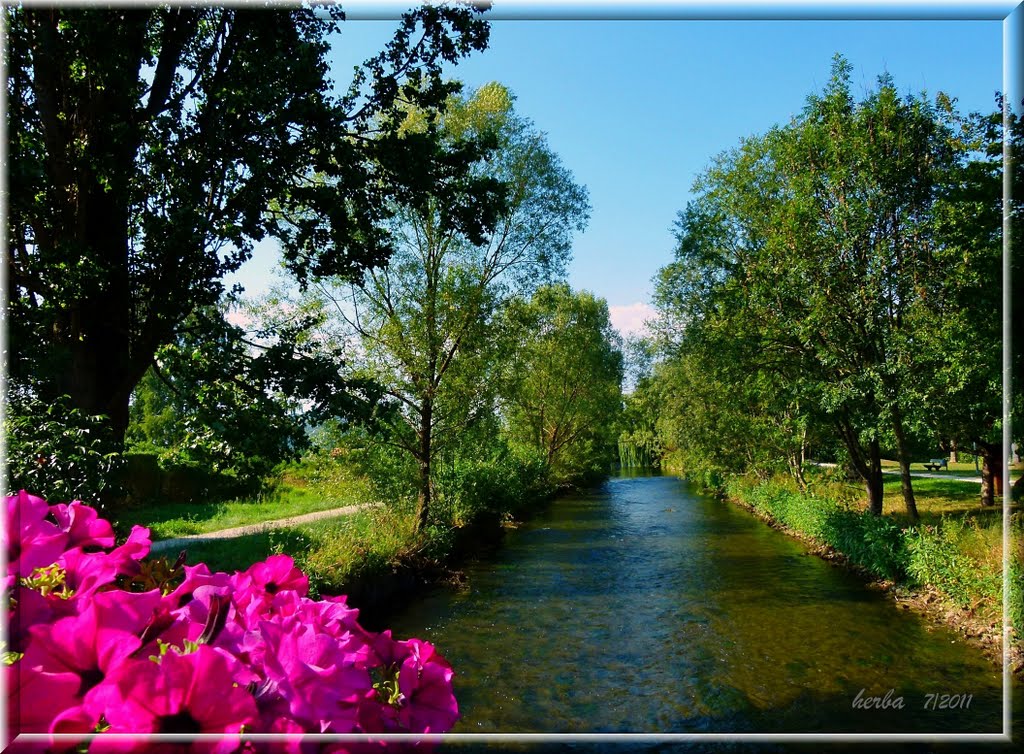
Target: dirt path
<point>242,531</point>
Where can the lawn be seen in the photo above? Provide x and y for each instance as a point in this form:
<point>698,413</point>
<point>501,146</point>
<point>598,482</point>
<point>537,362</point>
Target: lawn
<point>960,468</point>
<point>955,507</point>
<point>293,495</point>
<point>331,552</point>
<point>937,498</point>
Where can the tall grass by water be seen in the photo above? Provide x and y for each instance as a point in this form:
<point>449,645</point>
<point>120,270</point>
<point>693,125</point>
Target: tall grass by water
<point>956,547</point>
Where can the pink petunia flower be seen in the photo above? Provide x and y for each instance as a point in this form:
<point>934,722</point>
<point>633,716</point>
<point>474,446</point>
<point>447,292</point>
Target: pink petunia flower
<point>30,540</point>
<point>195,577</point>
<point>308,670</point>
<point>91,645</point>
<point>190,694</point>
<point>88,571</point>
<point>275,574</point>
<point>36,697</point>
<point>31,609</point>
<point>425,679</point>
<point>83,525</point>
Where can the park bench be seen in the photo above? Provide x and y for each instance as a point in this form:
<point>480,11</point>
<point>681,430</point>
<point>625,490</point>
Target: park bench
<point>936,463</point>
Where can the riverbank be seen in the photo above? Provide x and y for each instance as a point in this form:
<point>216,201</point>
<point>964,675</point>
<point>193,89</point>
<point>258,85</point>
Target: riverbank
<point>374,554</point>
<point>947,567</point>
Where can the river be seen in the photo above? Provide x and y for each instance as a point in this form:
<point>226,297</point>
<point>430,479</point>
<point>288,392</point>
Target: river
<point>644,607</point>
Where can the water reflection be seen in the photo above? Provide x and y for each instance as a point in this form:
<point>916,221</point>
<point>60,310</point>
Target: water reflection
<point>643,607</point>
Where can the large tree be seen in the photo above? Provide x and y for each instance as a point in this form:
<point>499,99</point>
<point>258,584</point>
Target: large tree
<point>427,324</point>
<point>151,147</point>
<point>816,250</point>
<point>965,403</point>
<point>567,380</point>
<point>242,398</point>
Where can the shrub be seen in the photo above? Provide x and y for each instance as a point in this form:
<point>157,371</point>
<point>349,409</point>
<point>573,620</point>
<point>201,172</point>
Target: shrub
<point>467,489</point>
<point>58,450</point>
<point>872,542</point>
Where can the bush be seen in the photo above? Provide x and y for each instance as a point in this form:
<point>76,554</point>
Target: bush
<point>950,557</point>
<point>59,451</point>
<point>871,542</point>
<point>467,489</point>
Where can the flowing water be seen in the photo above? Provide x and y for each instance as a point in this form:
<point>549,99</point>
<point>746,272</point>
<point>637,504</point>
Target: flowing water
<point>644,607</point>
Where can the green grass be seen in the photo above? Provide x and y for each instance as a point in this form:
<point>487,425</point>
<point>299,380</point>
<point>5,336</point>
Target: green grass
<point>331,552</point>
<point>956,546</point>
<point>936,498</point>
<point>294,496</point>
<point>954,469</point>
<point>954,508</point>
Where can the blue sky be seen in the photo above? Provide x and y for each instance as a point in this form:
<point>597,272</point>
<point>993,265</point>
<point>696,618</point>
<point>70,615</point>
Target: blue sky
<point>636,109</point>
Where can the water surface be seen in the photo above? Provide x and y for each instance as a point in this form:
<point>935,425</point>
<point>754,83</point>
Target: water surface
<point>644,607</point>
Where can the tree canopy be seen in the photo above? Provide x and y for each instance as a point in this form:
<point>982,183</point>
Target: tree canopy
<point>151,147</point>
<point>427,324</point>
<point>567,370</point>
<point>818,278</point>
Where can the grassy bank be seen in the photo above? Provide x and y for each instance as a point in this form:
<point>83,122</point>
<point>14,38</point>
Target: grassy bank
<point>364,553</point>
<point>954,552</point>
<point>332,552</point>
<point>316,484</point>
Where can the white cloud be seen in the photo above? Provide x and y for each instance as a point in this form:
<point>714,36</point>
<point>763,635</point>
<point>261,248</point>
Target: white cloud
<point>630,319</point>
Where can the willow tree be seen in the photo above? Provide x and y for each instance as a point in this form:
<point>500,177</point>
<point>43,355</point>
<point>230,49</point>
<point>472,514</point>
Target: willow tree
<point>427,324</point>
<point>147,146</point>
<point>567,380</point>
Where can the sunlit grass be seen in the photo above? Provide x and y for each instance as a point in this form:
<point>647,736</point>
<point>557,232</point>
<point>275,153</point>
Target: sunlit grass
<point>956,547</point>
<point>294,495</point>
<point>332,552</point>
<point>959,469</point>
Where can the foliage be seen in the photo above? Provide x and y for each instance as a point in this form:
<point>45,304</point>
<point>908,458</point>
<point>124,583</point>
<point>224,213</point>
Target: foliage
<point>938,558</point>
<point>427,325</point>
<point>566,377</point>
<point>391,472</point>
<point>469,488</point>
<point>813,282</point>
<point>958,556</point>
<point>639,443</point>
<point>366,545</point>
<point>239,403</point>
<point>871,542</point>
<point>89,656</point>
<point>57,449</point>
<point>965,397</point>
<point>152,147</point>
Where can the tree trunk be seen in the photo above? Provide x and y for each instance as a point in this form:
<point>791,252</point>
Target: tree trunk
<point>991,472</point>
<point>870,468</point>
<point>796,469</point>
<point>425,437</point>
<point>96,333</point>
<point>873,479</point>
<point>904,459</point>
<point>953,458</point>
